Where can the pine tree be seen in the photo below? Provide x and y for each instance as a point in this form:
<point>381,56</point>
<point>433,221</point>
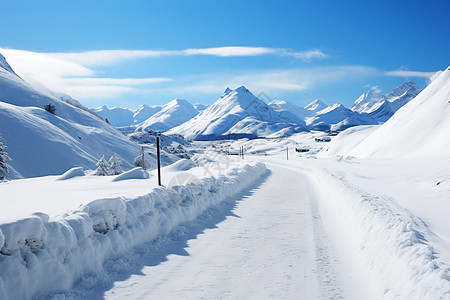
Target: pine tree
<point>102,167</point>
<point>140,160</point>
<point>51,108</point>
<point>4,158</point>
<point>115,164</point>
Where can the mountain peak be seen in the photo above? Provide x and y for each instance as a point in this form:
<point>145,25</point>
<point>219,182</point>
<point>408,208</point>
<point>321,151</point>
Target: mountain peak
<point>409,87</point>
<point>242,89</point>
<point>4,64</point>
<point>227,91</point>
<point>316,105</point>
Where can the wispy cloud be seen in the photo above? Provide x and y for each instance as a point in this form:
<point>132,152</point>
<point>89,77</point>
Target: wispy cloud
<point>73,73</point>
<point>105,57</point>
<point>270,81</point>
<point>403,72</point>
<point>88,81</point>
<point>45,71</point>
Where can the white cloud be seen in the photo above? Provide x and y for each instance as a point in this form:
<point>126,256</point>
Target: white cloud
<point>105,57</point>
<point>97,91</point>
<point>269,81</point>
<point>403,72</point>
<point>47,71</point>
<point>89,81</point>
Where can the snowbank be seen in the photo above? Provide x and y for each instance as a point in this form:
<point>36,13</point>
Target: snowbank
<point>393,242</point>
<point>74,172</point>
<point>135,173</point>
<point>39,257</point>
<point>347,140</point>
<point>181,165</point>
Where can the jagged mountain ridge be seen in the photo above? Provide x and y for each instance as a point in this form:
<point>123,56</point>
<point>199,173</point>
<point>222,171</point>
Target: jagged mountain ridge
<point>240,113</point>
<point>383,106</point>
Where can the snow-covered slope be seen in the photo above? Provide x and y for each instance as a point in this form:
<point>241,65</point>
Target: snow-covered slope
<point>41,143</point>
<point>172,114</point>
<point>419,129</point>
<point>236,113</point>
<point>4,65</point>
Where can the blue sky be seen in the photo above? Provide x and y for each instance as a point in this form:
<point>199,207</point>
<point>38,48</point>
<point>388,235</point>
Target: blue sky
<point>125,53</point>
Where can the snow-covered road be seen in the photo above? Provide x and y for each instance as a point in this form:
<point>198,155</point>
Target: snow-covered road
<point>271,246</point>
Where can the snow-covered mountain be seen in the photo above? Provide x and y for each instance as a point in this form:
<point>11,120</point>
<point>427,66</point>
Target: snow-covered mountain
<point>41,143</point>
<point>239,113</point>
<point>172,114</point>
<point>155,117</point>
<point>290,112</point>
<point>200,107</point>
<point>419,129</point>
<point>365,102</point>
<point>236,113</point>
<point>116,116</point>
<point>381,106</point>
<point>316,105</point>
<point>337,117</point>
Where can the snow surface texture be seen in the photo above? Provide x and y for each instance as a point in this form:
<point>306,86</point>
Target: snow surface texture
<point>391,240</point>
<point>74,172</point>
<point>136,173</point>
<point>418,129</point>
<point>39,256</point>
<point>41,143</point>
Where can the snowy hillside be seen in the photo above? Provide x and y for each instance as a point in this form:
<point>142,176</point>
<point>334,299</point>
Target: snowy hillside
<point>236,113</point>
<point>42,143</point>
<point>170,115</point>
<point>419,129</point>
<point>4,65</point>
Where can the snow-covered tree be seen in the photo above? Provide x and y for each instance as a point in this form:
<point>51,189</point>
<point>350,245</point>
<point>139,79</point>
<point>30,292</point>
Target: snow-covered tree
<point>140,159</point>
<point>51,108</point>
<point>4,158</point>
<point>102,167</point>
<point>115,164</point>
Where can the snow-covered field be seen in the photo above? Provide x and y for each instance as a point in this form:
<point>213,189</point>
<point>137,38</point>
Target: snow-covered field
<point>298,214</point>
<point>310,228</point>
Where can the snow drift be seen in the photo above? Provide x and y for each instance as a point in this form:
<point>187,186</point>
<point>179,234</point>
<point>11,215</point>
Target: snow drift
<point>40,257</point>
<point>393,242</point>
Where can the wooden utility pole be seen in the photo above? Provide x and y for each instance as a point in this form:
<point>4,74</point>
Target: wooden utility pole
<point>159,160</point>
